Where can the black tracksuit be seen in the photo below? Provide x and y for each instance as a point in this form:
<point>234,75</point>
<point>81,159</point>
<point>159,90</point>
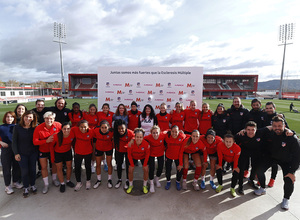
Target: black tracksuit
<point>237,118</point>
<point>220,123</point>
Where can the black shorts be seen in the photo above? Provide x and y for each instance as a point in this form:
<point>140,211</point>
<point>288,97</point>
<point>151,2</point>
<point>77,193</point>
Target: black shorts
<point>45,155</point>
<point>99,153</point>
<point>192,153</point>
<point>94,140</point>
<point>60,157</point>
<point>135,161</point>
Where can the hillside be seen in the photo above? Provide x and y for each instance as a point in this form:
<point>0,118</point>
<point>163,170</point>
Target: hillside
<point>292,85</point>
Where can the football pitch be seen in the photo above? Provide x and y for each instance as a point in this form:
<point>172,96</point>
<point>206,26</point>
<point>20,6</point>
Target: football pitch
<point>282,106</point>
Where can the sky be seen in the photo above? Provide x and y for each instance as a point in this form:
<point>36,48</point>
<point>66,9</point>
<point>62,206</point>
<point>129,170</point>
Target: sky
<point>223,37</point>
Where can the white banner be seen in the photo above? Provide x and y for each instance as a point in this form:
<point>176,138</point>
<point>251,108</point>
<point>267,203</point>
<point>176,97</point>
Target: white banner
<point>149,85</point>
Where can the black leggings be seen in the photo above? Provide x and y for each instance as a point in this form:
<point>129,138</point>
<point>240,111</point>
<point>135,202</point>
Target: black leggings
<point>234,178</point>
<point>119,160</point>
<point>288,186</point>
<point>169,169</point>
<point>160,165</point>
<point>87,163</point>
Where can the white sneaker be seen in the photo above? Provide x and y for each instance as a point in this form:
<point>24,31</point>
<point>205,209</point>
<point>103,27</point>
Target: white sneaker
<point>93,169</point>
<point>115,168</point>
<point>184,185</point>
<point>123,166</point>
<point>78,186</point>
<point>97,184</point>
<point>109,184</point>
<point>260,191</point>
<point>45,189</point>
<point>88,185</point>
<point>285,204</point>
<point>56,183</point>
<point>9,190</point>
<point>196,186</point>
<point>152,190</point>
<point>118,184</point>
<point>17,185</point>
<point>156,179</point>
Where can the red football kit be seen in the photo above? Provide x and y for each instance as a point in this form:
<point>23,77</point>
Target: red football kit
<point>163,121</point>
<point>92,119</point>
<point>104,141</point>
<point>229,155</point>
<point>75,118</point>
<point>178,119</point>
<point>123,141</point>
<point>211,148</point>
<point>138,152</point>
<point>193,148</point>
<point>41,133</point>
<point>107,117</point>
<point>174,149</point>
<point>205,121</point>
<point>133,120</point>
<point>157,147</point>
<point>191,120</point>
<point>83,144</point>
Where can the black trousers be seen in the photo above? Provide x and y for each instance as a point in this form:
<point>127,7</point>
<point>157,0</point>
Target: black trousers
<point>28,169</point>
<point>160,165</point>
<point>244,165</point>
<point>265,164</point>
<point>119,160</point>
<point>87,163</point>
<point>10,166</point>
<point>169,169</point>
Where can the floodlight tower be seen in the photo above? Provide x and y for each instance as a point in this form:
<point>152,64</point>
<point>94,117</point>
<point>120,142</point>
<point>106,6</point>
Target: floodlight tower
<point>286,35</point>
<point>60,38</point>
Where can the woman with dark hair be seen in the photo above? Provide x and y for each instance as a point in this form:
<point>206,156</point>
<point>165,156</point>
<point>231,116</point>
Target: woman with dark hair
<point>174,152</point>
<point>19,111</point>
<point>177,116</point>
<point>220,121</point>
<point>122,136</point>
<point>106,114</point>
<point>75,115</point>
<point>25,151</point>
<point>211,141</point>
<point>10,166</point>
<point>138,149</point>
<point>60,110</point>
<point>60,152</point>
<point>83,151</point>
<point>121,113</point>
<point>147,119</point>
<point>133,116</point>
<point>104,136</point>
<point>192,146</point>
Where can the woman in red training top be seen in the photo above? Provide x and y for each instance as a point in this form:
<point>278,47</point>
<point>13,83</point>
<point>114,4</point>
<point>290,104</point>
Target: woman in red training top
<point>92,119</point>
<point>76,114</point>
<point>122,136</point>
<point>211,141</point>
<point>193,145</point>
<point>44,137</point>
<point>61,151</point>
<point>229,152</point>
<point>177,116</point>
<point>174,152</point>
<point>205,118</point>
<point>83,150</point>
<point>191,118</point>
<point>157,149</point>
<point>105,114</point>
<point>138,150</point>
<point>133,116</point>
<point>104,136</point>
<point>163,118</point>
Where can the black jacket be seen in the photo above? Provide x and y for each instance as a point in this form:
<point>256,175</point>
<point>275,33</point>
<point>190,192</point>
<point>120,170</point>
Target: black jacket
<point>257,117</point>
<point>61,115</point>
<point>237,118</point>
<point>220,124</point>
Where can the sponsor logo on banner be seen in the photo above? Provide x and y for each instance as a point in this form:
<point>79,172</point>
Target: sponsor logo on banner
<point>107,84</point>
<point>109,91</point>
<point>119,99</point>
<point>130,92</point>
<point>128,99</point>
<point>138,84</point>
<point>161,92</point>
<point>169,100</point>
<point>140,92</point>
<point>108,99</point>
<point>127,106</point>
<point>128,85</point>
<point>149,99</point>
<point>157,107</point>
<point>159,100</point>
<point>189,85</point>
<point>139,100</point>
<point>117,84</point>
<point>120,92</point>
<point>169,85</point>
<point>171,93</point>
<point>150,92</point>
<point>180,99</point>
<point>179,85</point>
<point>148,84</point>
<point>180,93</point>
<point>193,92</point>
<point>168,107</point>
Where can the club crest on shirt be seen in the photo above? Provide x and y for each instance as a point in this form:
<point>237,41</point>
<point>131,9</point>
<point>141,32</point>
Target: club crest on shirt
<point>71,139</point>
<point>54,129</point>
<point>142,148</point>
<point>241,113</point>
<point>65,113</point>
<point>231,151</point>
<point>95,119</point>
<point>258,139</point>
<point>88,136</point>
<point>166,117</point>
<point>79,116</point>
<point>283,144</point>
<point>197,148</point>
<point>179,139</point>
<point>126,137</point>
<point>108,114</point>
<point>107,136</point>
<point>195,113</point>
<point>224,120</point>
<point>208,116</point>
<point>136,116</point>
<point>41,154</point>
<point>181,116</point>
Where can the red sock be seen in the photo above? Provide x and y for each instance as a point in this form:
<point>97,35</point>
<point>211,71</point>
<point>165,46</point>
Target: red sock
<point>184,173</point>
<point>197,172</point>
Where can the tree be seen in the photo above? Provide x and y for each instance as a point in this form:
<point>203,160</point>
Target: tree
<point>12,82</point>
<point>2,83</point>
